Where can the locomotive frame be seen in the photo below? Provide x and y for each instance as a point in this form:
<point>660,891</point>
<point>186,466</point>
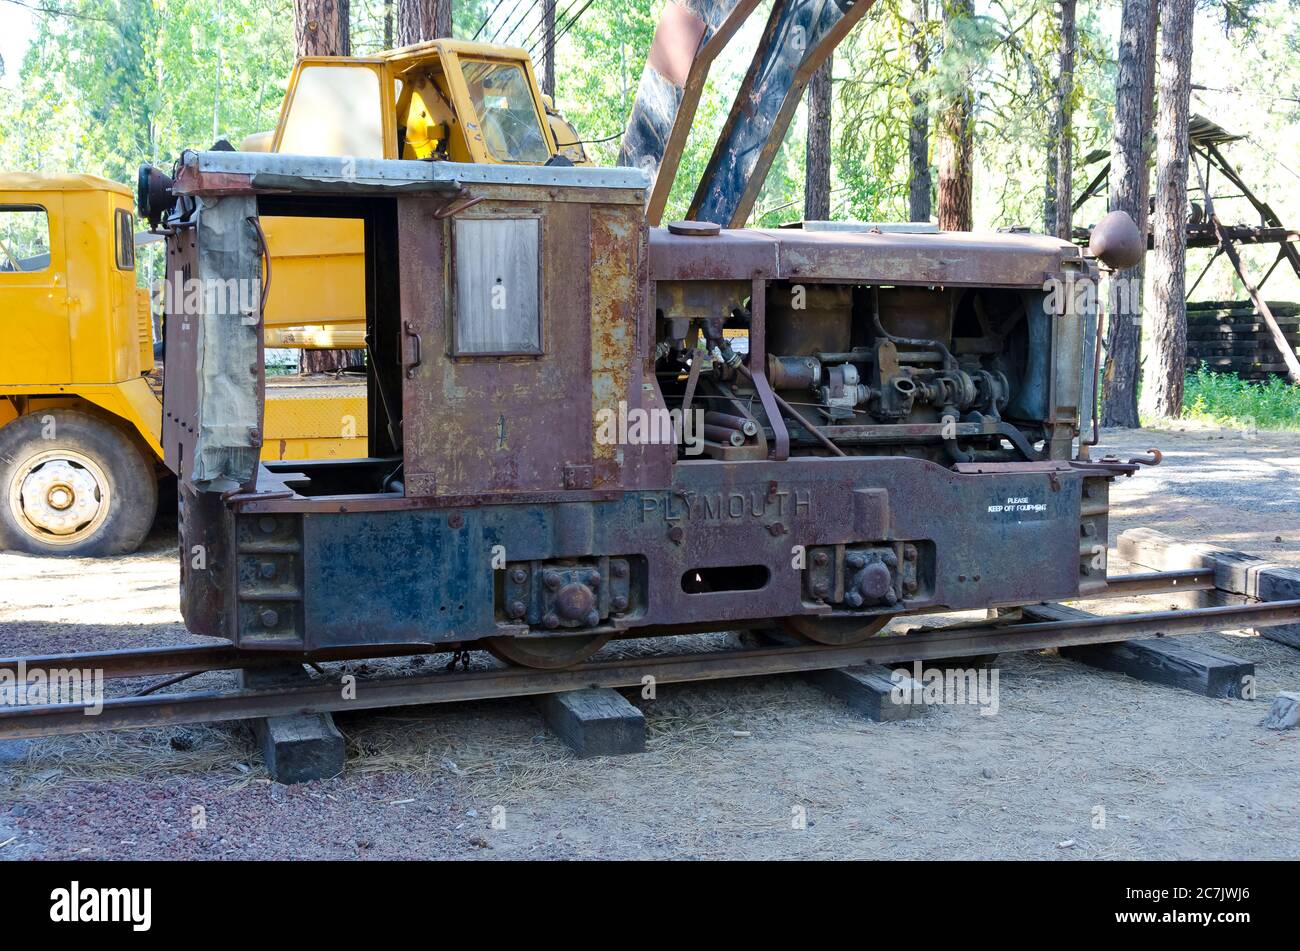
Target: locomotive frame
<point>489,514</point>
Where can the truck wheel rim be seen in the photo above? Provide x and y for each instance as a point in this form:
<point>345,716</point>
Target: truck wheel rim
<point>59,497</point>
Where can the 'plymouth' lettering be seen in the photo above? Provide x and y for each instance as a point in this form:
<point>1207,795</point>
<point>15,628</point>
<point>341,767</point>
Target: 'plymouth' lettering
<point>723,505</point>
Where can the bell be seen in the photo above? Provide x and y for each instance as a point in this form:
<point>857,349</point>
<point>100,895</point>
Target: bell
<point>1116,241</point>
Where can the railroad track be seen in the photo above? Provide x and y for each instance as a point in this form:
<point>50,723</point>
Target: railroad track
<point>323,694</point>
<point>157,662</point>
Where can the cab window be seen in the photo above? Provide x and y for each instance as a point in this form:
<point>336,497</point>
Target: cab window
<point>502,98</point>
<point>335,110</point>
<point>125,230</point>
<point>24,238</point>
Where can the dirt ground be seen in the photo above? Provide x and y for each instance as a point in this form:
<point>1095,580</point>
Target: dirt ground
<point>1075,764</point>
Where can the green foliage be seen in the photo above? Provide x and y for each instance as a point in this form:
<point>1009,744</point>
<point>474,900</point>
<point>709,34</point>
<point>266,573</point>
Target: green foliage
<point>600,63</point>
<point>1224,399</point>
<point>131,81</point>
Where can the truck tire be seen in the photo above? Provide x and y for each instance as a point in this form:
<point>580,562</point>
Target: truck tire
<point>73,485</point>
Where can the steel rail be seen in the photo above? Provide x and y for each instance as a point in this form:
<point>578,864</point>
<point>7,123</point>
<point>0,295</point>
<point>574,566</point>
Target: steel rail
<point>1154,582</point>
<point>326,696</point>
<point>157,662</point>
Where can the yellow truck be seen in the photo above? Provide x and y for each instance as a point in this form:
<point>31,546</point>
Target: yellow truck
<point>80,408</point>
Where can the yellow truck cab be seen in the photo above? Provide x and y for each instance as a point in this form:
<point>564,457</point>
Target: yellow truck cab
<point>80,401</point>
<point>79,422</point>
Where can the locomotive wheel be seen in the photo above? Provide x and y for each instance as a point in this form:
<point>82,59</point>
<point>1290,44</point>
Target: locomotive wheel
<point>834,632</point>
<point>546,653</point>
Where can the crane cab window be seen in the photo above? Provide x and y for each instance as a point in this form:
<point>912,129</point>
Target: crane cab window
<point>125,243</point>
<point>335,110</point>
<point>24,238</point>
<point>426,116</point>
<point>502,98</point>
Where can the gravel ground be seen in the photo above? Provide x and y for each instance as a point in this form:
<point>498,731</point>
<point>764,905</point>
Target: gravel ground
<point>1075,764</point>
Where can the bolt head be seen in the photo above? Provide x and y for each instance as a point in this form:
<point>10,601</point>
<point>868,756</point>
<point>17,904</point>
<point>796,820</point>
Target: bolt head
<point>889,558</point>
<point>552,580</point>
<point>593,580</point>
<point>592,618</point>
<point>820,559</point>
<point>267,569</point>
<point>619,603</point>
<point>269,618</point>
<point>551,620</point>
<point>517,609</point>
<point>875,581</point>
<point>518,576</point>
<point>618,569</point>
<point>267,524</point>
<point>855,559</point>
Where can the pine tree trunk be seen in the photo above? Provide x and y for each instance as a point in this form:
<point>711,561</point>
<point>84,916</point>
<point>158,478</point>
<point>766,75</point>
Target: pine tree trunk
<point>1129,188</point>
<point>956,145</point>
<point>320,27</point>
<point>548,47</point>
<point>1163,394</point>
<point>1050,150</point>
<point>918,130</point>
<point>817,164</point>
<point>421,20</point>
<point>1064,198</point>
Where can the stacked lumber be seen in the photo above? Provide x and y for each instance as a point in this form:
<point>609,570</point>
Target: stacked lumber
<point>1230,337</point>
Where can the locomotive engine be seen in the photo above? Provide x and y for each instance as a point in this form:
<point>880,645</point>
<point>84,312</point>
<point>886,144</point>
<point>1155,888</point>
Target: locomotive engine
<point>584,428</point>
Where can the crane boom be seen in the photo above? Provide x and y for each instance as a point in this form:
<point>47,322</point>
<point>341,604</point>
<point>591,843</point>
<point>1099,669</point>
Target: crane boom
<point>800,34</point>
<point>690,35</point>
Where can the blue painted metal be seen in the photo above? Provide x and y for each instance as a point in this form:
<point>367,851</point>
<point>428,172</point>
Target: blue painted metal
<point>425,576</point>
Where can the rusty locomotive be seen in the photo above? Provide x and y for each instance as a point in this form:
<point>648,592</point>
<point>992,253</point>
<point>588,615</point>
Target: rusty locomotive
<point>861,425</point>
